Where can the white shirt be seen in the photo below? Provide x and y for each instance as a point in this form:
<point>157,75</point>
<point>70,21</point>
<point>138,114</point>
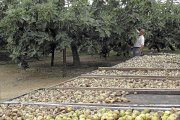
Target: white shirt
<point>139,41</point>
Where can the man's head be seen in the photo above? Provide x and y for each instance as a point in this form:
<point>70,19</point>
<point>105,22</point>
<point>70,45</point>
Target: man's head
<point>141,31</point>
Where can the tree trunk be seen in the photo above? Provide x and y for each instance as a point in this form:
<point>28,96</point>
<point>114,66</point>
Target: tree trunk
<point>23,63</point>
<point>76,59</point>
<point>64,62</point>
<point>52,57</point>
<point>171,47</point>
<point>53,46</point>
<point>155,46</point>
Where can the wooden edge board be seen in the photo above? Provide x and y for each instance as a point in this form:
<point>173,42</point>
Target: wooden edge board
<point>109,88</point>
<point>173,62</point>
<point>93,105</point>
<point>140,68</point>
<point>123,77</point>
<point>131,91</point>
<point>150,53</point>
<point>157,53</point>
<point>127,76</point>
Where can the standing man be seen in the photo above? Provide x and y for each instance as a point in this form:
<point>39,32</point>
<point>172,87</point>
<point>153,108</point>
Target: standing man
<point>139,44</point>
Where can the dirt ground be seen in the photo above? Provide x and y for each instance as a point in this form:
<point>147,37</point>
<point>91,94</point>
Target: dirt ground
<point>15,81</point>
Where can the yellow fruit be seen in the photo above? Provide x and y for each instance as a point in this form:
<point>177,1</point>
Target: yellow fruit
<point>139,118</point>
<point>155,118</point>
<point>110,118</point>
<point>164,117</point>
<point>122,113</point>
<point>172,117</point>
<point>128,117</point>
<point>116,111</point>
<point>128,113</point>
<point>146,110</point>
<point>167,113</point>
<point>95,117</point>
<point>40,118</point>
<point>134,115</point>
<point>82,116</point>
<point>136,112</point>
<point>148,116</point>
<point>122,118</point>
<point>69,109</point>
<point>143,115</point>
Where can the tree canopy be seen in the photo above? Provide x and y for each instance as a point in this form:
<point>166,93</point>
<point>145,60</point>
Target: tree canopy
<point>31,28</point>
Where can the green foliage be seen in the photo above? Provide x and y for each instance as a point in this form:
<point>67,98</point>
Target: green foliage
<point>31,26</point>
<point>164,24</point>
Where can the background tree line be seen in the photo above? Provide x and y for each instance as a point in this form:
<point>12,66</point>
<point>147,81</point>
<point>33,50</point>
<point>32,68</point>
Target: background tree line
<point>32,28</point>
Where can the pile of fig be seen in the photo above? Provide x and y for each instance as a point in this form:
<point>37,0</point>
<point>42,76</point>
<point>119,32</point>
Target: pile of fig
<point>75,96</point>
<point>174,73</point>
<point>156,61</point>
<point>26,112</point>
<point>122,83</point>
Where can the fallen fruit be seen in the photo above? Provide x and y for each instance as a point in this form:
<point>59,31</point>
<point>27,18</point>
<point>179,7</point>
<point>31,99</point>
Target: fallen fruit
<point>28,112</point>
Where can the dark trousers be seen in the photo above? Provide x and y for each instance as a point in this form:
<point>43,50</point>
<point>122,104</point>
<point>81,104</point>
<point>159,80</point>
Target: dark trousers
<point>136,51</point>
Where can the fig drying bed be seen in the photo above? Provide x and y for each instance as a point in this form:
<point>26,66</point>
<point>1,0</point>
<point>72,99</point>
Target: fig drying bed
<point>152,107</point>
<point>156,99</point>
<point>44,93</point>
<point>93,82</point>
<point>137,69</point>
<point>143,98</point>
<point>134,73</point>
<point>152,64</point>
<point>128,76</point>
